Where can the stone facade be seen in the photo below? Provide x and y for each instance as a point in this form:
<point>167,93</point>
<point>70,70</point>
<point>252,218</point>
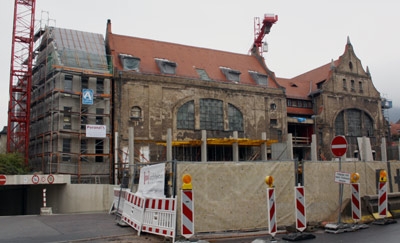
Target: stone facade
<point>349,105</point>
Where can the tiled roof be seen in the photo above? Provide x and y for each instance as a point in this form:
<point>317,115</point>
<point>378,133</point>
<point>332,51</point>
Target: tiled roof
<point>187,58</point>
<point>301,86</point>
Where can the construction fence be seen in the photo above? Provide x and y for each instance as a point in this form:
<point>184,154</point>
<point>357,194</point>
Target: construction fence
<point>232,196</point>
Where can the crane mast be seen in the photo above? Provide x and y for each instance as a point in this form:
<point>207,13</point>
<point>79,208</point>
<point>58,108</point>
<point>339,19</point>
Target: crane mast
<point>261,30</point>
<point>21,78</point>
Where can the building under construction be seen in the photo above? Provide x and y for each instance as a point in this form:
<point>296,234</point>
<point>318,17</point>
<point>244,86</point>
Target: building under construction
<point>70,106</point>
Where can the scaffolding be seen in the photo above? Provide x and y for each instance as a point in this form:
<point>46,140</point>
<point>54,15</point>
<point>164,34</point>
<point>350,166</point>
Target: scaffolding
<point>67,64</point>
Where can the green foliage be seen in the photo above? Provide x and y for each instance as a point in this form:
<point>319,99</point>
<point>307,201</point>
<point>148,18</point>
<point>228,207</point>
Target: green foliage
<point>12,164</point>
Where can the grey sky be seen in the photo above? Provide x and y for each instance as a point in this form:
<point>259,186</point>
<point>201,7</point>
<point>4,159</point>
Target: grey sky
<point>308,34</point>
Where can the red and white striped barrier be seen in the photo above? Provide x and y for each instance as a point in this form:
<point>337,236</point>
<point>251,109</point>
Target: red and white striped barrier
<point>382,200</point>
<point>272,227</point>
<point>187,214</point>
<point>133,211</point>
<point>355,201</point>
<point>301,221</point>
<point>160,217</point>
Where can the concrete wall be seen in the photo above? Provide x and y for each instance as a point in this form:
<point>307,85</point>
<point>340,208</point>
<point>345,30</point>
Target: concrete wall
<point>70,198</point>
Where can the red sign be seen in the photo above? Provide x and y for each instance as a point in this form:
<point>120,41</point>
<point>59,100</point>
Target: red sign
<point>3,179</point>
<point>339,146</point>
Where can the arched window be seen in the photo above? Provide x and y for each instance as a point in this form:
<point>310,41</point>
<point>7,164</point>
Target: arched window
<point>136,113</point>
<point>235,118</point>
<point>355,123</point>
<point>185,117</point>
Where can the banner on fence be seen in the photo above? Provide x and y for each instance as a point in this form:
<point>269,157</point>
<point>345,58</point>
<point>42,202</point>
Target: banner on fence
<point>152,180</point>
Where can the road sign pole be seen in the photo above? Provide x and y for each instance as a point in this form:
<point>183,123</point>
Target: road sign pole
<point>340,192</point>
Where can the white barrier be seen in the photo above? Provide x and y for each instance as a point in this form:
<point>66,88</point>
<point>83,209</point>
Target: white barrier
<point>160,217</point>
<point>119,201</point>
<point>133,211</point>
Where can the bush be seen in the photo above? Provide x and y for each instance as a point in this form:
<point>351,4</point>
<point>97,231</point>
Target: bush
<point>12,164</point>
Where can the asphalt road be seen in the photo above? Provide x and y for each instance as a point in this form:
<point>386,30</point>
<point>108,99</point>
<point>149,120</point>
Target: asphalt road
<point>96,227</point>
<point>102,227</point>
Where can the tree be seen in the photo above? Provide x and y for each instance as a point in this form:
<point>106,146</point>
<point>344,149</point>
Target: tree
<point>12,164</point>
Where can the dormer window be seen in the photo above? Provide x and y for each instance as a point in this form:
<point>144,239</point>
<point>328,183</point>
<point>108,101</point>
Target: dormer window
<point>166,66</point>
<point>259,78</point>
<point>129,63</point>
<point>230,74</point>
<point>203,74</point>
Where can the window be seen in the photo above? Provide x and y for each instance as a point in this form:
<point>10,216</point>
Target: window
<point>273,122</point>
<point>84,83</point>
<point>230,74</point>
<point>68,82</point>
<point>67,117</point>
<point>344,84</point>
<point>339,124</point>
<point>84,148</point>
<point>100,86</point>
<point>211,114</point>
<point>360,86</point>
<point>136,113</point>
<point>353,88</point>
<point>203,74</point>
<point>235,118</point>
<point>99,119</point>
<point>166,66</point>
<point>259,78</point>
<point>185,116</point>
<point>130,62</point>
<point>99,150</point>
<point>84,119</point>
<point>355,123</point>
<point>66,145</point>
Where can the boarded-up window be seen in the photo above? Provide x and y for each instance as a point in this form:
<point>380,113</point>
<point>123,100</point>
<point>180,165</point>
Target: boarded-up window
<point>235,118</point>
<point>211,114</point>
<point>185,116</point>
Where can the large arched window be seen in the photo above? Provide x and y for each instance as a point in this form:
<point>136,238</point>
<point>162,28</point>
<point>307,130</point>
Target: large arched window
<point>211,116</point>
<point>185,118</point>
<point>235,118</point>
<point>355,123</point>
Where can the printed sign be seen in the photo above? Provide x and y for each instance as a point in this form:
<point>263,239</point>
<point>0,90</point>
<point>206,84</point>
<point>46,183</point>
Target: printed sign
<point>96,131</point>
<point>342,177</point>
<point>87,96</point>
<point>151,181</point>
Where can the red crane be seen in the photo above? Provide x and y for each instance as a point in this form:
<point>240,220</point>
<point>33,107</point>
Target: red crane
<point>21,78</point>
<point>261,31</point>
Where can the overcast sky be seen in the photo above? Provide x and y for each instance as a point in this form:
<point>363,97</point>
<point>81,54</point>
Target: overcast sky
<point>308,34</point>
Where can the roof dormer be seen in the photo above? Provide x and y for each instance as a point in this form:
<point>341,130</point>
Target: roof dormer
<point>230,74</point>
<point>259,78</point>
<point>129,62</point>
<point>166,66</point>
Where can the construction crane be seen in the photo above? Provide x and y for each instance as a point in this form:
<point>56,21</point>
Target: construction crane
<point>21,78</point>
<point>261,30</point>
